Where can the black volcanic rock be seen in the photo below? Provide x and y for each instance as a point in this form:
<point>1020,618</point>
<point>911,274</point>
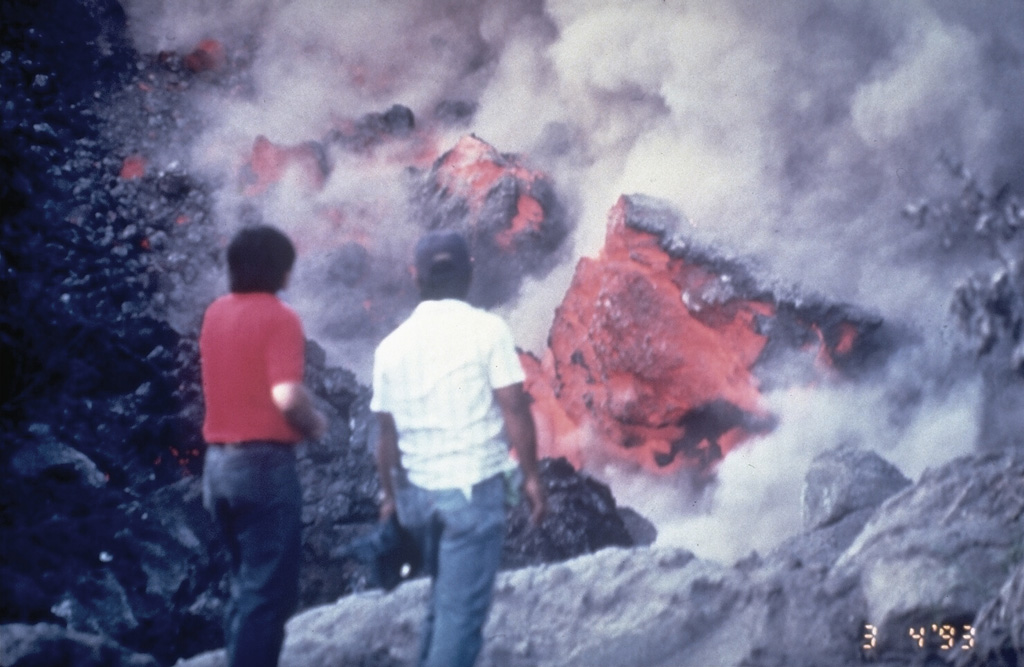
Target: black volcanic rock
<point>91,410</point>
<point>582,518</point>
<point>512,216</point>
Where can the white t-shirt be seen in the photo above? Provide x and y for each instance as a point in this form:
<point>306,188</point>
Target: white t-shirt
<point>435,374</point>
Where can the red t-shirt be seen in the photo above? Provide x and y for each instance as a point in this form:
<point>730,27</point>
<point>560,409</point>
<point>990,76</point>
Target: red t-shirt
<point>248,343</point>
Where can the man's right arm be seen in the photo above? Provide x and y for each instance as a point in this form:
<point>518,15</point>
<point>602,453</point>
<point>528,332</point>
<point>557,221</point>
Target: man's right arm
<point>522,434</point>
<point>387,460</point>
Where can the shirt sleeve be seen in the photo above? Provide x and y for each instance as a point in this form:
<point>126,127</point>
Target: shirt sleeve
<point>504,368</point>
<point>286,350</point>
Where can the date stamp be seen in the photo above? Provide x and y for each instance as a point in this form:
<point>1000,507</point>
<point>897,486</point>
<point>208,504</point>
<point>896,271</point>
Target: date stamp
<point>934,636</point>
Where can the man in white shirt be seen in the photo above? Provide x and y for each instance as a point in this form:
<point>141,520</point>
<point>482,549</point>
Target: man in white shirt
<point>449,399</point>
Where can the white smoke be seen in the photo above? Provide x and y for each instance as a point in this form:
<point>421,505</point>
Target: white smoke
<point>795,132</point>
<point>791,132</point>
<point>755,502</point>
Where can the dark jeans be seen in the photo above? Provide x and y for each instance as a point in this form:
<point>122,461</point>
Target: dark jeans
<point>252,490</point>
<point>461,541</point>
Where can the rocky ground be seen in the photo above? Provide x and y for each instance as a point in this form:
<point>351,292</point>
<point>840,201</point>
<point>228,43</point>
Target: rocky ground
<point>885,572</point>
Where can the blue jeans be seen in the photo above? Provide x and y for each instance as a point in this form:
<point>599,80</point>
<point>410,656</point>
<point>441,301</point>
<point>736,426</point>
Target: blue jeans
<point>461,540</point>
<point>252,490</point>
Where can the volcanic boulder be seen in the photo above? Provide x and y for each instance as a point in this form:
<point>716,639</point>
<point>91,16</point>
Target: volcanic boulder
<point>938,551</point>
<point>660,348</point>
<point>48,644</point>
<point>840,482</point>
<point>137,570</point>
<point>374,128</point>
<point>208,55</point>
<point>270,162</point>
<point>511,215</point>
<point>582,518</point>
<point>311,162</point>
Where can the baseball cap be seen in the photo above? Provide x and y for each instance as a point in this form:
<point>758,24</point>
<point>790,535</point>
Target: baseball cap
<point>442,255</point>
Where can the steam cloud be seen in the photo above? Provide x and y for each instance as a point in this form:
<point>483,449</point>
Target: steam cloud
<point>792,132</point>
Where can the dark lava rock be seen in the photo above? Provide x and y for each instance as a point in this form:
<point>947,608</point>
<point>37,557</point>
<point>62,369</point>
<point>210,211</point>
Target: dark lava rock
<point>582,518</point>
<point>512,216</point>
<point>91,411</point>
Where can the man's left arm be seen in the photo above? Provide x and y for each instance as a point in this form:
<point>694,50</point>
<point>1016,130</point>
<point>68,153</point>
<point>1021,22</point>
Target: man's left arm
<point>296,404</point>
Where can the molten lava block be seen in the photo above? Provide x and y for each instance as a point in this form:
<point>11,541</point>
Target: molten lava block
<point>269,162</point>
<point>208,55</point>
<point>658,351</point>
<point>510,214</point>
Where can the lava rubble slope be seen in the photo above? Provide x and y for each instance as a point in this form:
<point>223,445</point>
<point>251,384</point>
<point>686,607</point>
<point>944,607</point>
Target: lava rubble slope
<point>108,557</point>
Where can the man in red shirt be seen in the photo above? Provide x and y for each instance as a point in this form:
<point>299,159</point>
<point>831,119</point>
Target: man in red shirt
<point>251,351</point>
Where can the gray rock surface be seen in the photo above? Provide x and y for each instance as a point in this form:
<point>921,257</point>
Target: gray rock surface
<point>937,552</point>
<point>933,554</point>
<point>846,480</point>
<point>1000,627</point>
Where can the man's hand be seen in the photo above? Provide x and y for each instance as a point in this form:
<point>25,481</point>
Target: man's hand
<point>522,434</point>
<point>534,490</point>
<point>319,426</point>
<point>387,508</point>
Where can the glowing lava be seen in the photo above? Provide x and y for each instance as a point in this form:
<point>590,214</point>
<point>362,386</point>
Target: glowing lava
<point>208,55</point>
<point>654,355</point>
<point>269,162</point>
<point>509,212</point>
<point>473,170</point>
<point>133,167</point>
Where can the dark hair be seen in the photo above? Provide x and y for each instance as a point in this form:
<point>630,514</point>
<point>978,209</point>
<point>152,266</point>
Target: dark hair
<point>259,259</point>
<point>443,266</point>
